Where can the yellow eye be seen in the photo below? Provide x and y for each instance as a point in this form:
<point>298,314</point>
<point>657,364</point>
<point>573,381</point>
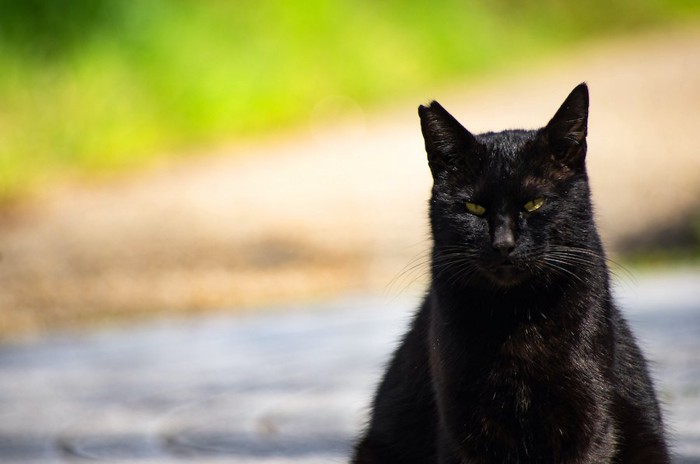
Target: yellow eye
<point>476,210</point>
<point>533,205</point>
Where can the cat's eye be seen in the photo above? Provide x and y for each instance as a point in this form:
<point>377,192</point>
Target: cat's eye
<point>533,205</point>
<point>475,209</point>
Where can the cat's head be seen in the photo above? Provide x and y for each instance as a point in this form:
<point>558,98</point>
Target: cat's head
<point>514,206</point>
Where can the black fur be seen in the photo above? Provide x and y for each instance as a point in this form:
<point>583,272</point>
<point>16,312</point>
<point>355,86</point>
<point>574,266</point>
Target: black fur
<point>517,354</point>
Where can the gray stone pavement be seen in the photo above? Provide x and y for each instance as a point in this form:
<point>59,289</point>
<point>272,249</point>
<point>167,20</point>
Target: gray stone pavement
<point>289,386</point>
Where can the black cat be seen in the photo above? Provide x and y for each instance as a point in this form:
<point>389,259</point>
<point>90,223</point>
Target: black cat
<point>518,353</point>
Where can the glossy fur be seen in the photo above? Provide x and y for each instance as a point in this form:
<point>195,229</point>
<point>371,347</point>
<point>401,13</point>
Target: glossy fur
<point>518,353</point>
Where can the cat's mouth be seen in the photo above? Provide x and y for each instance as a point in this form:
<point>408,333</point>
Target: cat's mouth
<point>506,273</point>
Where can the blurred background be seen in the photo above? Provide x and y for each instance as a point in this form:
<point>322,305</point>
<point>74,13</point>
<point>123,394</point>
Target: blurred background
<point>213,213</point>
<point>169,156</point>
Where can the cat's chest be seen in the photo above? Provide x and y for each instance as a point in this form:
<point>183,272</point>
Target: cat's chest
<point>527,387</point>
<point>516,360</point>
<point>523,375</point>
<point>530,365</point>
<point>531,357</point>
<point>529,346</point>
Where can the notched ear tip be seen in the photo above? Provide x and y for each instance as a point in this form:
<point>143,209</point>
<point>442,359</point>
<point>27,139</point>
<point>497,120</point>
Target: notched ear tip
<point>422,110</point>
<point>446,140</point>
<point>433,106</point>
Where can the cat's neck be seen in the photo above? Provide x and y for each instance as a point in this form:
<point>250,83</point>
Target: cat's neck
<point>564,299</point>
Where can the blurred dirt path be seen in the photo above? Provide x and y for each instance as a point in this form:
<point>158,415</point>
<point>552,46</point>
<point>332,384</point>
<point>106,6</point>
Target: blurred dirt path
<point>289,387</point>
<point>341,207</point>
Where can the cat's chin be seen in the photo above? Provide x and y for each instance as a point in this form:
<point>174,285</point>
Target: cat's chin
<point>505,275</point>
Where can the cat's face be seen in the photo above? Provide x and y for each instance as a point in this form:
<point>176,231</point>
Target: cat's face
<point>509,207</point>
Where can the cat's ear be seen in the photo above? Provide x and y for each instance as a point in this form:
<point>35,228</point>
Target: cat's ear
<point>447,142</point>
<point>565,134</point>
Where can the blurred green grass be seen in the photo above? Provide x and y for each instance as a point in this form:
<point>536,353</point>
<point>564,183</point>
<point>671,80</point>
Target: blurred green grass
<point>95,86</point>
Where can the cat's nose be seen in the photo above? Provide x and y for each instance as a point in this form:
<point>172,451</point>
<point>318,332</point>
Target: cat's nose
<point>504,248</point>
<point>503,241</point>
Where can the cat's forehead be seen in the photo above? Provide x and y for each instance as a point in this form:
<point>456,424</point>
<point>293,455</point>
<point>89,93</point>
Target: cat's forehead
<point>507,145</point>
<point>507,163</point>
<point>505,154</point>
